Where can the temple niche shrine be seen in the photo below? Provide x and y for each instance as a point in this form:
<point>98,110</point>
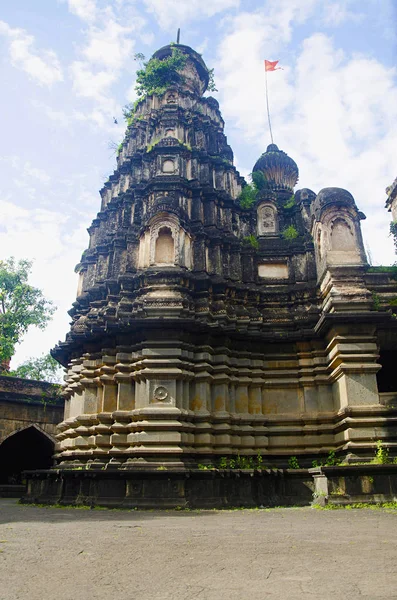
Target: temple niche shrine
<point>210,331</point>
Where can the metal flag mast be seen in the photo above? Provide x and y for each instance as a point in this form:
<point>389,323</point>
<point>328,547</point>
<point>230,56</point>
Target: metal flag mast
<point>270,66</point>
<point>267,106</point>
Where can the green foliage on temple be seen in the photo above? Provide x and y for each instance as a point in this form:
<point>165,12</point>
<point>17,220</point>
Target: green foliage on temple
<point>290,202</point>
<point>259,180</point>
<point>129,113</point>
<point>211,81</point>
<point>252,241</point>
<point>381,454</point>
<point>290,233</point>
<point>249,193</point>
<point>392,270</point>
<point>21,305</point>
<point>152,144</point>
<point>185,144</point>
<point>156,76</point>
<point>376,301</point>
<point>331,460</point>
<point>393,232</point>
<point>293,463</point>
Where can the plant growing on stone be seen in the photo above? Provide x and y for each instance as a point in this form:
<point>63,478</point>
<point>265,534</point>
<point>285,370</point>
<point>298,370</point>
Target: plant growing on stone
<point>129,112</point>
<point>393,232</point>
<point>293,463</point>
<point>244,462</point>
<point>21,305</point>
<point>381,454</point>
<point>252,241</point>
<point>290,202</point>
<point>290,233</point>
<point>156,75</point>
<point>211,81</point>
<point>376,301</point>
<point>152,144</point>
<point>249,192</point>
<point>259,180</point>
<point>329,461</point>
<point>223,462</point>
<point>248,195</point>
<point>185,144</point>
<point>332,460</point>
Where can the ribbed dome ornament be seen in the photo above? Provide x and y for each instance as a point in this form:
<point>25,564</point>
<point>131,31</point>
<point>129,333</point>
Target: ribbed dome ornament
<point>280,171</point>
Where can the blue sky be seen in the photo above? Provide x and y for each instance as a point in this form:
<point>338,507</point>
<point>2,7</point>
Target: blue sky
<point>67,67</point>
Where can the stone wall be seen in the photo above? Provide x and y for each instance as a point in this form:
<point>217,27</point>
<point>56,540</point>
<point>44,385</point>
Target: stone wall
<point>25,402</point>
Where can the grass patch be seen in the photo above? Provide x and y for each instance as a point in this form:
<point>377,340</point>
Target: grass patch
<point>358,505</point>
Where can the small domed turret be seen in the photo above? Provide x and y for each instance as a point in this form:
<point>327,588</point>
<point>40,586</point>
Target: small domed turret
<point>333,197</point>
<point>280,171</point>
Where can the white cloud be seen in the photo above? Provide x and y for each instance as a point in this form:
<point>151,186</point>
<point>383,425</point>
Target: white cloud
<point>35,173</point>
<point>43,67</point>
<point>171,12</point>
<point>84,9</point>
<point>88,83</point>
<point>335,13</point>
<point>106,52</point>
<point>109,47</point>
<point>26,176</point>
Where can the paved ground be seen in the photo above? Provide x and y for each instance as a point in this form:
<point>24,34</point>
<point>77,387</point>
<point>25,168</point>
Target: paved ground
<point>290,553</point>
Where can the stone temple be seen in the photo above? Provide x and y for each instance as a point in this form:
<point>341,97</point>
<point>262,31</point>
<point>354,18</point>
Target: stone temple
<point>204,328</point>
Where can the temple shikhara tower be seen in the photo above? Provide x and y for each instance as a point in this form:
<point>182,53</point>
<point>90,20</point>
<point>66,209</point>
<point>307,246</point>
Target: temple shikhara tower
<point>218,320</point>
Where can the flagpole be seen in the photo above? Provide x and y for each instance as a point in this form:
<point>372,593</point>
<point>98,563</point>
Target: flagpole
<point>267,106</point>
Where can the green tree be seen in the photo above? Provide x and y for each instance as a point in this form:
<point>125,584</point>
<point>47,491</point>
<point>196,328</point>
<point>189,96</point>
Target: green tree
<point>43,368</point>
<point>21,305</point>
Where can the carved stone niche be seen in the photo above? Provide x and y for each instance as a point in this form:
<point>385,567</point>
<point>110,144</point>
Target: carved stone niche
<point>165,243</point>
<point>168,166</point>
<point>267,219</point>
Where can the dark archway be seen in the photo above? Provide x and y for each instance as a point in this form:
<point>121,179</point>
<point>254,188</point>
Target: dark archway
<point>386,377</point>
<point>26,449</point>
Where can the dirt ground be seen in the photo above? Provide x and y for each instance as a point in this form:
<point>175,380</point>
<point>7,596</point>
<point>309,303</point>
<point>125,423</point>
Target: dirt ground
<point>71,554</point>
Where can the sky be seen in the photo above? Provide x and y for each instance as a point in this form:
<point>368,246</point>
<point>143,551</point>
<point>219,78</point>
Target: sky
<point>67,69</point>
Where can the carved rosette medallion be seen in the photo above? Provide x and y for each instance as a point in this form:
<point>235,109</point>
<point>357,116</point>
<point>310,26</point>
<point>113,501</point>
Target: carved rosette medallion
<point>160,394</point>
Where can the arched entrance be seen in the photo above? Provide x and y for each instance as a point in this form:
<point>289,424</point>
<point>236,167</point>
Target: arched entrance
<point>26,449</point>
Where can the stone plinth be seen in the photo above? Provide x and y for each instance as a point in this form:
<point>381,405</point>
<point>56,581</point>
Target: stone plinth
<point>350,484</point>
<point>170,489</point>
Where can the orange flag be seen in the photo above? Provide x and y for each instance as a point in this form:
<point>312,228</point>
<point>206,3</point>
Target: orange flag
<point>271,65</point>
